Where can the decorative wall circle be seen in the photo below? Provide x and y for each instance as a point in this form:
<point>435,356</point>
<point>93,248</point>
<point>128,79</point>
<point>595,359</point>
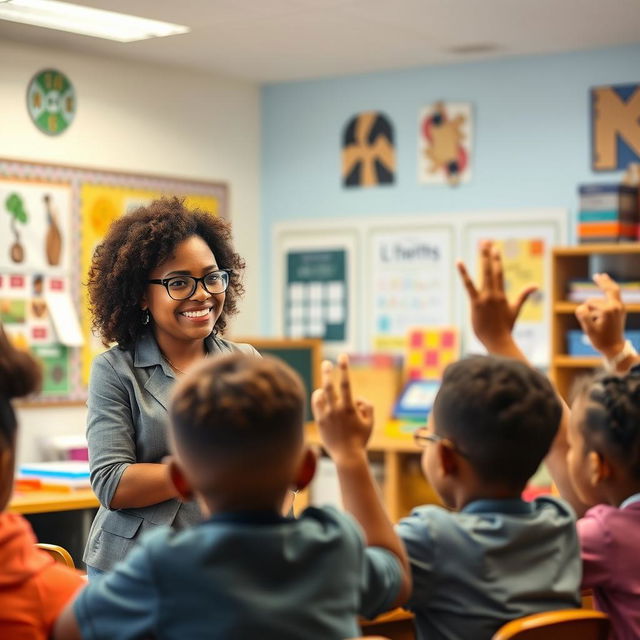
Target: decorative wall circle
<point>51,101</point>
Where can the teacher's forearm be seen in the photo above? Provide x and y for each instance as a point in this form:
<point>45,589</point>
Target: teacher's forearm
<point>143,484</point>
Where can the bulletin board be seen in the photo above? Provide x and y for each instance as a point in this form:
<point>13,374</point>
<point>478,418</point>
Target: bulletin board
<point>53,217</point>
<point>402,274</point>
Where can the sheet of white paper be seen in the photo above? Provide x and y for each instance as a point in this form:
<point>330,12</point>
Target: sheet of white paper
<point>65,318</point>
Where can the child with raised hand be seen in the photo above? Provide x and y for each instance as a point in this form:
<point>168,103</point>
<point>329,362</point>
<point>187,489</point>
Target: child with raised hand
<point>33,588</point>
<point>490,557</point>
<point>595,459</point>
<point>237,437</point>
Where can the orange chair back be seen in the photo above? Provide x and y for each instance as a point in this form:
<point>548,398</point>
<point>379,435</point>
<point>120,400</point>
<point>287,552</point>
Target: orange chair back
<point>566,624</point>
<point>59,554</point>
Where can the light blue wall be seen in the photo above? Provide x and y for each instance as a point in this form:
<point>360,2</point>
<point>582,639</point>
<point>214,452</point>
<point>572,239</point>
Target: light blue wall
<point>532,138</point>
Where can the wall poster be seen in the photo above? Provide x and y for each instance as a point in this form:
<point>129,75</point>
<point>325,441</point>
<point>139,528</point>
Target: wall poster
<point>410,282</point>
<point>317,276</point>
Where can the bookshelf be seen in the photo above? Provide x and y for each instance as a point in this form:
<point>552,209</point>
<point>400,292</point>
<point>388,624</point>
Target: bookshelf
<point>581,262</point>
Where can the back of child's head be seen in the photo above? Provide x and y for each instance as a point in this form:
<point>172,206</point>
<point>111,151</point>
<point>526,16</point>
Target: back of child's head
<point>611,421</point>
<point>237,407</point>
<point>19,376</point>
<point>501,414</point>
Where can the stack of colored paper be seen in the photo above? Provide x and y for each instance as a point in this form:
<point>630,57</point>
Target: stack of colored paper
<point>581,290</point>
<point>608,213</point>
<point>69,474</point>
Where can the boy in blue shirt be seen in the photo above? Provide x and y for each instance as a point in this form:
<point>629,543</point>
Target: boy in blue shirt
<point>492,557</point>
<point>246,571</point>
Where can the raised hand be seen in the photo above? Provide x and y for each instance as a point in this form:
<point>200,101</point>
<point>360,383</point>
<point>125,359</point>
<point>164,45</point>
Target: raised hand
<point>602,319</point>
<point>492,315</point>
<point>345,425</point>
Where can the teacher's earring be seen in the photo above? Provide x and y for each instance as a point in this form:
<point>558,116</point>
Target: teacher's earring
<point>145,316</point>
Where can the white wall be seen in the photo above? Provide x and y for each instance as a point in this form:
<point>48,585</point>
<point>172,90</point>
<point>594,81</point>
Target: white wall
<point>149,119</point>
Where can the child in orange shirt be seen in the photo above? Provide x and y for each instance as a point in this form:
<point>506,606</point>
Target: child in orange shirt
<point>33,588</point>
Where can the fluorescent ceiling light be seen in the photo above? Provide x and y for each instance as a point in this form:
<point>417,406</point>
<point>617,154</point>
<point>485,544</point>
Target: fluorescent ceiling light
<point>87,21</point>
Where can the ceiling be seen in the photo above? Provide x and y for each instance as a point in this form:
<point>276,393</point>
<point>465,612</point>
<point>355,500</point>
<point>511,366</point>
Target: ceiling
<point>269,41</point>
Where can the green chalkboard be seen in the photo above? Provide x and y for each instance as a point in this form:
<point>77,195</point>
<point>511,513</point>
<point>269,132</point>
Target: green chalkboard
<point>302,355</point>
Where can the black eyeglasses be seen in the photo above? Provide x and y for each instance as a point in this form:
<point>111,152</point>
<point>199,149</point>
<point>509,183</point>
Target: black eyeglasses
<point>183,287</point>
<point>422,437</point>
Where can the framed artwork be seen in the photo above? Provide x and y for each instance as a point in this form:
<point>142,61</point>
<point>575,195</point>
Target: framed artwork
<point>615,126</point>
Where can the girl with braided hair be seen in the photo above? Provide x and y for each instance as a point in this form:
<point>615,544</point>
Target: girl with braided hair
<point>604,465</point>
<point>595,458</point>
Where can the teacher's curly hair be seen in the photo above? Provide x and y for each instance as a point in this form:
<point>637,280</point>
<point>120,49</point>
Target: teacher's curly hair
<point>137,243</point>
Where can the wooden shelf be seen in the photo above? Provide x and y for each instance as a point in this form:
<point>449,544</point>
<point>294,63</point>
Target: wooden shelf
<point>565,306</point>
<point>598,249</point>
<point>577,263</point>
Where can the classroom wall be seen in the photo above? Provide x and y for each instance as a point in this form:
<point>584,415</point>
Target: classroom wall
<point>149,119</point>
<point>532,139</point>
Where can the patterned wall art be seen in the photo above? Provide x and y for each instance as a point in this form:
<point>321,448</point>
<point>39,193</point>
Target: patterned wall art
<point>615,126</point>
<point>445,143</point>
<point>368,151</point>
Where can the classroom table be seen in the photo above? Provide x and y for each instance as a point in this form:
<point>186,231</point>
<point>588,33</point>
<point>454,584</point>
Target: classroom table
<point>48,501</point>
<point>58,517</point>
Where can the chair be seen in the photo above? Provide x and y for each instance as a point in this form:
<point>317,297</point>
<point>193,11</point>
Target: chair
<point>566,624</point>
<point>59,554</point>
<point>397,624</point>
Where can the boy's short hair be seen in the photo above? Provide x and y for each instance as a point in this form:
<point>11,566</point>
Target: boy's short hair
<point>612,416</point>
<point>501,414</point>
<point>238,404</point>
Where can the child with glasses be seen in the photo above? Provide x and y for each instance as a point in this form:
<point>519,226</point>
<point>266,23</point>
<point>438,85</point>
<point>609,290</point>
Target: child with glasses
<point>595,459</point>
<point>162,285</point>
<point>33,588</point>
<point>489,556</point>
<point>247,571</point>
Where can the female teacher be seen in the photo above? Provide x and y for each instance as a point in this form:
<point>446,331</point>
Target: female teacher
<point>161,285</point>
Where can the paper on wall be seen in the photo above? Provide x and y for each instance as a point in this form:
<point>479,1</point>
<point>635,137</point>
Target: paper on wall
<point>65,319</point>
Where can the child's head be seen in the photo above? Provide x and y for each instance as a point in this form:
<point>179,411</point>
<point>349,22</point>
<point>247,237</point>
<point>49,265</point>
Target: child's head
<point>237,432</point>
<point>604,438</point>
<point>493,422</point>
<point>19,376</point>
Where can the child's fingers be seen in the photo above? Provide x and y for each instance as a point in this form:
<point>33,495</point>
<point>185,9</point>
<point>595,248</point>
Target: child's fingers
<point>466,280</point>
<point>345,383</point>
<point>365,409</point>
<point>523,297</point>
<point>584,316</point>
<point>318,402</point>
<point>327,383</point>
<point>609,286</point>
<point>496,269</point>
<point>487,272</point>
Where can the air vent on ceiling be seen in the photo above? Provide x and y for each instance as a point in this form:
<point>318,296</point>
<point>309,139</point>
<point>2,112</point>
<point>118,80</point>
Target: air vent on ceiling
<point>474,49</point>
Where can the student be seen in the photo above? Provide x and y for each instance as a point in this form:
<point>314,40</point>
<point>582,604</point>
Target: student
<point>492,557</point>
<point>247,571</point>
<point>162,285</point>
<point>33,588</point>
<point>595,460</point>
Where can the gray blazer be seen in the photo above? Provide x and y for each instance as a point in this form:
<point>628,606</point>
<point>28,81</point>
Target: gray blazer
<point>128,399</point>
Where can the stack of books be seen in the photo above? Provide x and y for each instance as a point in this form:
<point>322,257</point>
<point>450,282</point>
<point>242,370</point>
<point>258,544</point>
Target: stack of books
<point>608,213</point>
<point>581,290</point>
<point>65,475</point>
